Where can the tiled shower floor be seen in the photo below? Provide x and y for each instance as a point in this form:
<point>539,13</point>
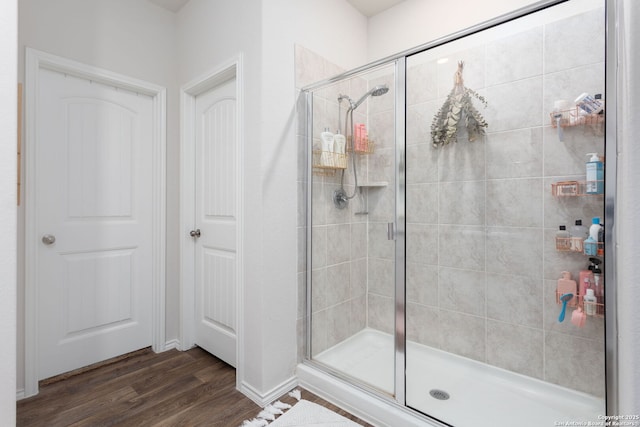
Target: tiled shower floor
<point>480,395</point>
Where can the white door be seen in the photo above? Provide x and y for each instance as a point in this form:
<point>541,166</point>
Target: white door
<point>93,188</point>
<point>215,210</point>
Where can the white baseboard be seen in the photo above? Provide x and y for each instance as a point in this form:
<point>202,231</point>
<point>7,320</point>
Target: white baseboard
<point>263,399</point>
<point>20,394</point>
<point>171,344</point>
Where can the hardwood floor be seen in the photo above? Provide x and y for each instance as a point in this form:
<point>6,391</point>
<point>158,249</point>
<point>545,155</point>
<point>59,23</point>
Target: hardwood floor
<point>174,388</point>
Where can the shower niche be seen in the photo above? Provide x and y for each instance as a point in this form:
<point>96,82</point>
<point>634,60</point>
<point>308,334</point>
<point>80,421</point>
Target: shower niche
<point>431,271</point>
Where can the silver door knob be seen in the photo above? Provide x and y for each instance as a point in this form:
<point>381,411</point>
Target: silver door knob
<point>195,233</point>
<point>48,239</point>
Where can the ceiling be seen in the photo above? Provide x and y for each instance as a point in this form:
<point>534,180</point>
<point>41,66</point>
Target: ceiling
<point>172,5</point>
<point>373,7</point>
<point>366,7</point>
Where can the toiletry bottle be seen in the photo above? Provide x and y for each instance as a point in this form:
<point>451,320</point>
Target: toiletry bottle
<point>361,138</point>
<point>326,158</point>
<point>601,240</point>
<point>586,277</point>
<point>598,282</point>
<point>563,239</point>
<point>365,139</point>
<point>578,233</point>
<point>595,175</point>
<point>589,104</point>
<point>585,283</point>
<point>598,97</point>
<point>339,147</point>
<point>590,302</point>
<point>356,137</point>
<point>567,286</point>
<point>594,230</point>
<point>590,246</point>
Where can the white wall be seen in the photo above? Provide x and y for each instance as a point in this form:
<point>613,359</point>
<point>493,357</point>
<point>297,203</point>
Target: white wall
<point>335,30</point>
<point>415,22</point>
<point>255,28</point>
<point>8,78</point>
<point>131,37</point>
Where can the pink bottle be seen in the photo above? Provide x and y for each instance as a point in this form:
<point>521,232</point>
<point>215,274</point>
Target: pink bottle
<point>567,286</point>
<point>586,282</point>
<point>357,137</point>
<point>364,138</point>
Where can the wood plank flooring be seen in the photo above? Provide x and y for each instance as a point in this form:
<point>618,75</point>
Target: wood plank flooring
<point>174,388</point>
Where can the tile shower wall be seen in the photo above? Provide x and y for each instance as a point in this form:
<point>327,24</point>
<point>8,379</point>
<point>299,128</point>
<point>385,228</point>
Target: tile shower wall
<point>481,221</point>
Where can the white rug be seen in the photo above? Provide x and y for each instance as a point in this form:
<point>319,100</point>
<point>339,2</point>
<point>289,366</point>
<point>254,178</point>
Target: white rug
<point>303,413</point>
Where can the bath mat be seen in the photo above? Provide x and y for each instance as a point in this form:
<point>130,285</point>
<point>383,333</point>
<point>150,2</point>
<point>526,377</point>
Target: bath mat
<point>303,413</point>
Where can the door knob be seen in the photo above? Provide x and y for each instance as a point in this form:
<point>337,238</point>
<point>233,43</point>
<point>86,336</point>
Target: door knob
<point>195,233</point>
<point>48,239</point>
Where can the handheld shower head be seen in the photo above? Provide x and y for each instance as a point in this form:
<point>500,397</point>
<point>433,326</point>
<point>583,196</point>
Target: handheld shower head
<point>379,90</point>
<point>376,91</point>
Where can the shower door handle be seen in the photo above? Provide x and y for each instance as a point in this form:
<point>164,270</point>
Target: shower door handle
<point>391,231</point>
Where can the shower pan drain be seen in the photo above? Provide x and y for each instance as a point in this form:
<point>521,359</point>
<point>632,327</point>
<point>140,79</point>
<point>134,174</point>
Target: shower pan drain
<point>439,394</point>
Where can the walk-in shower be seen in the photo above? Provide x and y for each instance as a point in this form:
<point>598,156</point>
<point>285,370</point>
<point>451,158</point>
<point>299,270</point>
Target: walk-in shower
<point>437,244</point>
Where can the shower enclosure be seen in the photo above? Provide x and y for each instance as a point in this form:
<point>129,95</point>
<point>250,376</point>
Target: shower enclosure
<point>433,257</point>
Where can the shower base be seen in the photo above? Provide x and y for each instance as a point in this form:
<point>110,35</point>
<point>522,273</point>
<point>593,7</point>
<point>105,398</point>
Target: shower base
<point>478,394</point>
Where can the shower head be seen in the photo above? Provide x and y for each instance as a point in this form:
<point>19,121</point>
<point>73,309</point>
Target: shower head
<point>376,91</point>
<point>379,90</point>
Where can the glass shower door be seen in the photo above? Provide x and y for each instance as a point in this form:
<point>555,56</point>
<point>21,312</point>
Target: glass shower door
<point>352,272</point>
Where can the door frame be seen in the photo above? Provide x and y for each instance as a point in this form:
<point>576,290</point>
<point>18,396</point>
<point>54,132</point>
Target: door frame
<point>227,70</point>
<point>36,61</point>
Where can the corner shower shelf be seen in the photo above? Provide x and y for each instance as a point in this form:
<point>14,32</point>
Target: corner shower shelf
<point>363,195</point>
<point>373,184</point>
<point>327,162</point>
<point>578,244</point>
<point>578,301</point>
<point>366,146</point>
<point>573,117</point>
<point>573,188</point>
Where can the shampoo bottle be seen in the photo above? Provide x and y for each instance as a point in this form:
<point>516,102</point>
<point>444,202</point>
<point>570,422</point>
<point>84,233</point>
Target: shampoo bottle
<point>563,239</point>
<point>590,303</point>
<point>591,244</point>
<point>585,282</point>
<point>578,234</point>
<point>595,228</point>
<point>326,158</point>
<point>595,175</point>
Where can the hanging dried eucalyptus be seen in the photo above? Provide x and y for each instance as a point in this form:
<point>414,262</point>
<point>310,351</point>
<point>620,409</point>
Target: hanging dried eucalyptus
<point>457,107</point>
